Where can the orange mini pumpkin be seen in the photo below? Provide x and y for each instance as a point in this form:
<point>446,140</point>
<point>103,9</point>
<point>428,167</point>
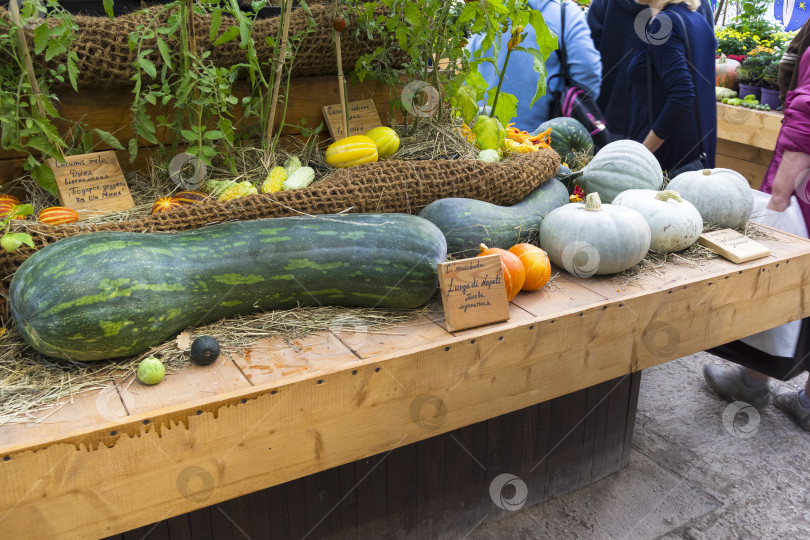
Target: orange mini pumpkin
<point>535,263</point>
<point>164,204</point>
<point>513,273</point>
<point>58,215</point>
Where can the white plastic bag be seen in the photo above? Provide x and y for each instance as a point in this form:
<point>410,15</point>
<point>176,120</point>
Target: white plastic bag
<point>782,340</point>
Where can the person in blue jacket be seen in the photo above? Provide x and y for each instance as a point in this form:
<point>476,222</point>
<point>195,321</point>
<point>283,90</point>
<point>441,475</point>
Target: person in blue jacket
<point>584,64</point>
<point>673,106</point>
<point>612,24</point>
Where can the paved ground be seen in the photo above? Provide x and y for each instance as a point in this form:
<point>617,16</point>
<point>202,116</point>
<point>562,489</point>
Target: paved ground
<point>692,475</point>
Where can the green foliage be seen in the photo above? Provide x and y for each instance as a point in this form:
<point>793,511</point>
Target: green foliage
<point>751,19</point>
<point>759,69</point>
<point>198,94</point>
<point>27,119</point>
<point>417,34</point>
<point>11,241</point>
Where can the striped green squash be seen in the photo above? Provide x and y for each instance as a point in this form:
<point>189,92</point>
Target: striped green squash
<point>106,295</point>
<point>468,223</point>
<point>570,140</point>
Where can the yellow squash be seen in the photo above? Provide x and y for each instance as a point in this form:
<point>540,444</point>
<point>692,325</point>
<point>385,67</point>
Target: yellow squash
<point>386,140</point>
<point>351,151</point>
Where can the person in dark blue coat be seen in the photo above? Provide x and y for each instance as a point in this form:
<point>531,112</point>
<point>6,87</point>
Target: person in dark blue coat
<point>612,24</point>
<point>674,111</point>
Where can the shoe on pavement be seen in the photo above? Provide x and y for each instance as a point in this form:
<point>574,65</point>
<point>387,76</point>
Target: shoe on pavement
<point>788,401</point>
<point>727,382</point>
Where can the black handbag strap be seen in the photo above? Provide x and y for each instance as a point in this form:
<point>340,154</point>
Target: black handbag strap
<point>689,60</point>
<point>562,56</point>
<point>561,49</point>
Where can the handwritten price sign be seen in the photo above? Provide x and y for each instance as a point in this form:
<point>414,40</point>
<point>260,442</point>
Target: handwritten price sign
<point>92,184</point>
<point>473,292</point>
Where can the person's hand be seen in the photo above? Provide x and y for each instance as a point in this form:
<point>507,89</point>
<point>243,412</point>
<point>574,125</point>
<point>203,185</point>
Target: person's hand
<point>652,141</point>
<point>777,204</point>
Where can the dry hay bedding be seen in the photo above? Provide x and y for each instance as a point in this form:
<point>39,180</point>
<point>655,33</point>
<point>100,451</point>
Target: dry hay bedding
<point>384,187</point>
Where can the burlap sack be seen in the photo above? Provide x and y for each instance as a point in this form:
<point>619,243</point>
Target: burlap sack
<point>105,61</point>
<point>388,186</point>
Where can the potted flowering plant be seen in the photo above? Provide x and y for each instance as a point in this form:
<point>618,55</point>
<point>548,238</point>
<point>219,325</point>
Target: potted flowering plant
<point>770,87</point>
<point>750,73</point>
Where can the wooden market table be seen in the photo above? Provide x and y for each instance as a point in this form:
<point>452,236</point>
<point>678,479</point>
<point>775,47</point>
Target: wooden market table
<point>399,434</point>
<point>746,139</point>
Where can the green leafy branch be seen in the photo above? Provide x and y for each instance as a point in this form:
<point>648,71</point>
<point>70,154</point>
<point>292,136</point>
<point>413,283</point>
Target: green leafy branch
<point>11,240</point>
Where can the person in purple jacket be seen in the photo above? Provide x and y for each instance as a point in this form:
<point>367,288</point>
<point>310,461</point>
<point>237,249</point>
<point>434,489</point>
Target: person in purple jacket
<point>788,174</point>
<point>672,76</point>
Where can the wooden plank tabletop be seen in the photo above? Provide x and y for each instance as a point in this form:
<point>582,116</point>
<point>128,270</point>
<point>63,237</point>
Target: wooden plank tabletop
<point>747,126</point>
<point>132,455</point>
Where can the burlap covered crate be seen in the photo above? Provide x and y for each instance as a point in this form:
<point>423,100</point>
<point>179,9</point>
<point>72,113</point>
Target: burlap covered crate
<point>105,61</point>
<point>388,186</point>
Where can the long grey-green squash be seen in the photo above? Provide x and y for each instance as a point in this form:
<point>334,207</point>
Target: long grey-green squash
<point>108,295</point>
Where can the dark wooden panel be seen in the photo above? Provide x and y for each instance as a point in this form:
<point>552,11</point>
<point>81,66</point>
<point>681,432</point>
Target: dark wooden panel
<point>156,531</point>
<point>348,506</point>
<point>297,508</point>
<point>574,444</point>
<point>179,527</point>
<point>618,403</point>
<point>200,521</point>
<point>221,522</point>
<point>430,486</point>
<point>239,512</point>
<point>630,424</point>
<point>536,474</point>
<point>259,508</point>
<point>277,512</point>
<point>372,503</point>
<point>590,426</point>
<point>323,495</point>
<point>401,488</point>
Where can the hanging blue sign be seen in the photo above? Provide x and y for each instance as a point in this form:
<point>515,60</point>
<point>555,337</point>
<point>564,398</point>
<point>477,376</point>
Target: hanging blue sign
<point>791,13</point>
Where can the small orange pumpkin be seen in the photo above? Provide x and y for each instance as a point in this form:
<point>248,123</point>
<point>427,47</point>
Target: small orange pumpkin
<point>535,263</point>
<point>513,273</point>
<point>164,204</point>
<point>9,199</point>
<point>58,215</point>
<point>6,209</point>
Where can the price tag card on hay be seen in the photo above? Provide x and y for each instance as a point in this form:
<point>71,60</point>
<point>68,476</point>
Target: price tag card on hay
<point>362,117</point>
<point>473,292</point>
<point>92,184</point>
<point>734,246</point>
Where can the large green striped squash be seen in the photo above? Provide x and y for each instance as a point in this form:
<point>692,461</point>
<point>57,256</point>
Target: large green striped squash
<point>570,140</point>
<point>468,223</point>
<point>107,295</point>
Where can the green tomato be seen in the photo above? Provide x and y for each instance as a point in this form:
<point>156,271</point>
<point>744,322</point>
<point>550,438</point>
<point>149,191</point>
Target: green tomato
<point>489,133</point>
<point>151,370</point>
<point>9,243</point>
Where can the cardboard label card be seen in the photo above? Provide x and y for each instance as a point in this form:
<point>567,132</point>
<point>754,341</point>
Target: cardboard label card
<point>92,184</point>
<point>362,117</point>
<point>473,292</point>
<point>734,246</point>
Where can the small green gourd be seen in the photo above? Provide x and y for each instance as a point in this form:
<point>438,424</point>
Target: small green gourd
<point>301,178</point>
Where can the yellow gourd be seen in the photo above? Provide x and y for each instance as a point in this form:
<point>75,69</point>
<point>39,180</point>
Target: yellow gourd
<point>386,140</point>
<point>351,151</point>
<point>274,180</point>
<point>239,190</point>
